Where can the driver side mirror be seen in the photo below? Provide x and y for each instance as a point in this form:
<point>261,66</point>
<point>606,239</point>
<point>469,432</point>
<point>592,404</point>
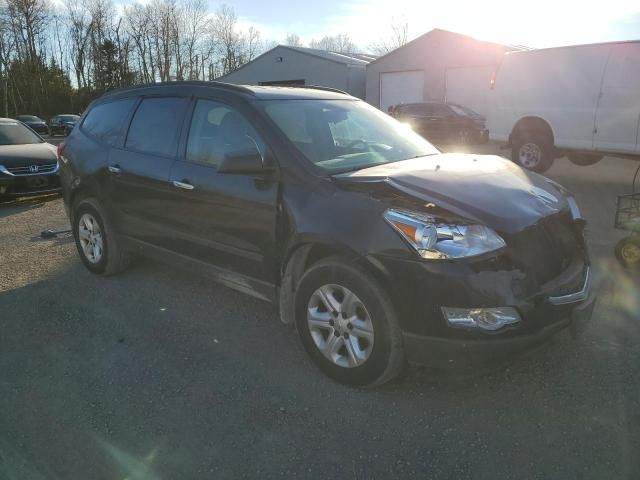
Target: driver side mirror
<point>246,161</point>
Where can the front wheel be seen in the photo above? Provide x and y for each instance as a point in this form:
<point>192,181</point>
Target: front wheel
<point>99,247</point>
<point>628,252</point>
<point>533,152</point>
<point>347,324</point>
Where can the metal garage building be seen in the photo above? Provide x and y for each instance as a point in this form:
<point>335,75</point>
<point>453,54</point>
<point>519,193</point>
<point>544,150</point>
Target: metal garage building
<point>284,65</point>
<point>439,65</point>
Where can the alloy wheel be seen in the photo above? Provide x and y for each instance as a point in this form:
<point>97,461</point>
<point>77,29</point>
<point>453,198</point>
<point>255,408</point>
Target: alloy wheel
<point>340,326</point>
<point>90,236</point>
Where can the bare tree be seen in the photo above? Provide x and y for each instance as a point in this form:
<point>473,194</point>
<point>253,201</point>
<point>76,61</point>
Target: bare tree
<point>192,24</point>
<point>79,26</point>
<point>28,20</point>
<point>340,43</point>
<point>398,37</point>
<point>7,46</point>
<point>293,40</point>
<point>227,39</point>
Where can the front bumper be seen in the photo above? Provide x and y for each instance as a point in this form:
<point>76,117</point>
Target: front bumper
<point>419,290</point>
<point>29,184</point>
<point>434,351</point>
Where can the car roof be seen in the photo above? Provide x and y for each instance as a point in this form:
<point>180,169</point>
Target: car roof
<point>249,91</point>
<point>8,120</point>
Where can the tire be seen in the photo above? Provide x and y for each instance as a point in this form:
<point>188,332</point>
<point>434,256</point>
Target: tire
<point>112,258</point>
<point>584,159</point>
<point>377,352</point>
<point>628,252</point>
<point>533,151</point>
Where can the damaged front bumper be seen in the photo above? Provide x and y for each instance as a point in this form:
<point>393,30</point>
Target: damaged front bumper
<point>535,312</point>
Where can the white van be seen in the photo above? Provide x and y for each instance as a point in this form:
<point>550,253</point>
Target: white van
<point>581,101</point>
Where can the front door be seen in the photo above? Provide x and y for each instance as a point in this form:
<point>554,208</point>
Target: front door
<point>227,220</point>
<point>618,114</point>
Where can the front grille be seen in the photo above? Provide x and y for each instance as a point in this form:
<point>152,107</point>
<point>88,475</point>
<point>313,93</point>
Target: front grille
<point>32,169</point>
<point>547,248</point>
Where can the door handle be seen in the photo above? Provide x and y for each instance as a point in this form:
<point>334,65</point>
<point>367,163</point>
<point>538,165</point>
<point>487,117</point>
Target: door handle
<point>185,185</point>
<point>114,169</point>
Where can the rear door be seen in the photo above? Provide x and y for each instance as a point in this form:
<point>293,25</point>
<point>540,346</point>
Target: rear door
<point>228,220</point>
<point>618,114</point>
<point>139,171</point>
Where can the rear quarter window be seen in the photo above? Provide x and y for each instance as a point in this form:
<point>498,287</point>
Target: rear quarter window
<point>106,121</point>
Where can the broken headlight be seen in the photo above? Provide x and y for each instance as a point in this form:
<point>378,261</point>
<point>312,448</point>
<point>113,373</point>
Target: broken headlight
<point>434,239</point>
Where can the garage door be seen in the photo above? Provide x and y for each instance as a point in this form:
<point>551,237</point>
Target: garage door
<point>401,87</point>
<point>469,86</point>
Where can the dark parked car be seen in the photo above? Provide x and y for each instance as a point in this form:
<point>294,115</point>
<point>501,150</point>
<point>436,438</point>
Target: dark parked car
<point>378,247</point>
<point>443,122</point>
<point>28,164</point>
<point>63,124</point>
<point>34,123</point>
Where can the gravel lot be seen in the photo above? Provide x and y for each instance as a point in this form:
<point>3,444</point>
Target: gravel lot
<point>159,374</point>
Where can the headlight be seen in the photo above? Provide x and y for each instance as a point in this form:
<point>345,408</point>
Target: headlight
<point>434,239</point>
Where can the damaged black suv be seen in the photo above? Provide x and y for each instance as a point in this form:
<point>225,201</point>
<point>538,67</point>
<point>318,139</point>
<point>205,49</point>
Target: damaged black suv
<point>379,248</point>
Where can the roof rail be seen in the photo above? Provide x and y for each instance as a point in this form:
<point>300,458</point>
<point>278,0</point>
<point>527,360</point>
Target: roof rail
<point>198,83</point>
<point>320,87</point>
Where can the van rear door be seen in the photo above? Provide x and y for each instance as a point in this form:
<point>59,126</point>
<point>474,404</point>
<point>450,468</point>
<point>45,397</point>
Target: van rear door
<point>618,113</point>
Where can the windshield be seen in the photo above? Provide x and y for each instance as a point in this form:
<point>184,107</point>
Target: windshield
<point>69,118</point>
<point>17,134</point>
<point>28,118</point>
<point>345,135</point>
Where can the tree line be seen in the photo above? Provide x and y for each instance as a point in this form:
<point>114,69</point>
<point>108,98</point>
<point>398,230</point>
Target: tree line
<point>57,58</point>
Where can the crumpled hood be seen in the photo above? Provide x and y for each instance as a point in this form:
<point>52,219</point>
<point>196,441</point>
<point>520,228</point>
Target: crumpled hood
<point>33,154</point>
<point>482,188</point>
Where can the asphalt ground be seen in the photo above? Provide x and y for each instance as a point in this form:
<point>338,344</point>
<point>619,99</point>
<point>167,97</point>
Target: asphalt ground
<point>157,373</point>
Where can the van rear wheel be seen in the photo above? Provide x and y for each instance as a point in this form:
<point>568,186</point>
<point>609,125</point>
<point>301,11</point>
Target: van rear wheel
<point>533,152</point>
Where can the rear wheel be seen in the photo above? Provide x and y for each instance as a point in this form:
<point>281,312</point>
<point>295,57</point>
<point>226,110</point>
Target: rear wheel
<point>99,247</point>
<point>584,159</point>
<point>628,252</point>
<point>347,324</point>
<point>533,151</point>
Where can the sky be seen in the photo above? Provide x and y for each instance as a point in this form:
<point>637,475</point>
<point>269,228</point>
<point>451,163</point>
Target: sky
<point>534,23</point>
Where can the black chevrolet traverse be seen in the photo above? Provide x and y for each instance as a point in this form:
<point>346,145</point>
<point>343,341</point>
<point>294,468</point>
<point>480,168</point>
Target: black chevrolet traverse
<point>377,246</point>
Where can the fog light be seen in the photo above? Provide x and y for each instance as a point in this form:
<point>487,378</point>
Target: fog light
<point>488,319</point>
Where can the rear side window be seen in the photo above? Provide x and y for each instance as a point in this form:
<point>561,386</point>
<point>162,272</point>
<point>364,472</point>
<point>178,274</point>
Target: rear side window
<point>106,121</point>
<point>156,125</point>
